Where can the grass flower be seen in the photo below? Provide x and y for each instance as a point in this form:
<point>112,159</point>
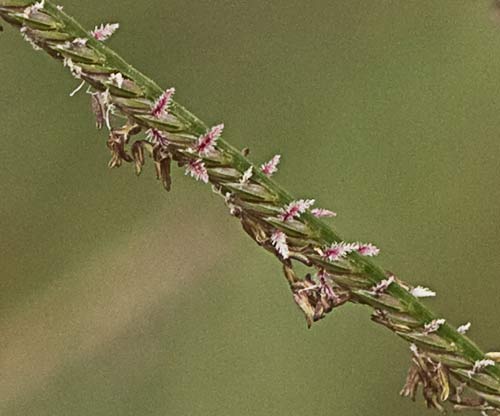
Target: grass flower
<point>206,143</point>
<point>196,169</point>
<point>295,208</point>
<point>105,31</point>
<point>271,167</point>
<point>160,107</point>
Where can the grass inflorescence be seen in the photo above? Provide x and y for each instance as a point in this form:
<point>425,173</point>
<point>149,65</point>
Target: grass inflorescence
<point>144,122</point>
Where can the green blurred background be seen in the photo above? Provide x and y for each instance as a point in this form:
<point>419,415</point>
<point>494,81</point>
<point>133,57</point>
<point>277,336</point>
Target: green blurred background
<point>117,298</point>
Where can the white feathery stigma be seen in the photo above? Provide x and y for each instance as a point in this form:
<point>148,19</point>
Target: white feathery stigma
<point>246,175</point>
<point>433,325</point>
<point>116,79</point>
<point>463,329</point>
<point>278,240</point>
<point>422,292</point>
<point>104,31</point>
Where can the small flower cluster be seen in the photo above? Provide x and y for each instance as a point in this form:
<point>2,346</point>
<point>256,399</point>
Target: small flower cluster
<point>104,31</point>
<point>160,107</point>
<point>205,145</point>
<point>433,326</point>
<point>340,250</point>
<point>295,208</point>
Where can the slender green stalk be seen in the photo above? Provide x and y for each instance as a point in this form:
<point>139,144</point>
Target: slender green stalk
<point>454,359</point>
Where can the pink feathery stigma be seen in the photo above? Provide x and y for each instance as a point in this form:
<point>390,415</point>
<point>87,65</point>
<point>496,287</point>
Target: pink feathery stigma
<point>335,252</point>
<point>206,143</point>
<point>322,213</point>
<point>271,167</point>
<point>278,240</point>
<point>104,31</point>
<point>160,107</point>
<point>368,249</point>
<point>339,250</point>
<point>295,208</point>
<point>197,170</point>
<point>157,137</point>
